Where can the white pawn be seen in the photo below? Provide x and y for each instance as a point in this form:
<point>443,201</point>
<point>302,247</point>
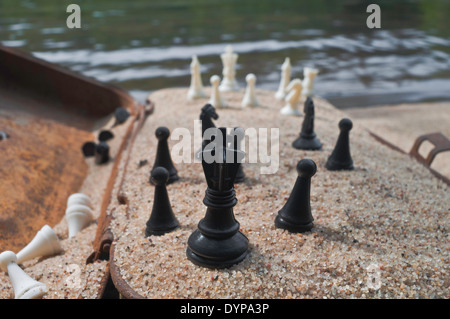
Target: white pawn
<point>45,243</point>
<point>229,60</point>
<point>308,81</point>
<point>294,90</point>
<point>196,90</point>
<point>78,213</point>
<point>285,78</point>
<point>24,286</point>
<point>216,99</point>
<point>250,96</point>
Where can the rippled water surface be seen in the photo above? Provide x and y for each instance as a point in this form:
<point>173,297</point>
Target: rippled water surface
<point>143,46</point>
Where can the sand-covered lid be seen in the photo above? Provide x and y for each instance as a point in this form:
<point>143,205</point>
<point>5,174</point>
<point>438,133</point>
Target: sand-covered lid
<point>379,230</point>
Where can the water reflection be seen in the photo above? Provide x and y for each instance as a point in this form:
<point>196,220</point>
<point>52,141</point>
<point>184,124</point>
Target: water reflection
<point>144,46</point>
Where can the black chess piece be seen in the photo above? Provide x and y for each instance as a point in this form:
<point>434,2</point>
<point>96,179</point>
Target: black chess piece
<point>308,139</point>
<point>121,114</point>
<point>163,157</point>
<point>89,149</point>
<point>207,114</point>
<point>295,216</point>
<point>162,219</point>
<point>105,135</point>
<point>3,136</point>
<point>218,243</point>
<point>238,136</point>
<point>340,158</point>
<point>101,153</point>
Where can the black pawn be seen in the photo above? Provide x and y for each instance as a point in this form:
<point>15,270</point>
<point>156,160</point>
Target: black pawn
<point>340,158</point>
<point>163,157</point>
<point>218,243</point>
<point>295,216</point>
<point>162,219</point>
<point>101,153</point>
<point>307,139</point>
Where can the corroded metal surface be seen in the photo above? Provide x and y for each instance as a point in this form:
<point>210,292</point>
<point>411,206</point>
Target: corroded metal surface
<point>48,112</point>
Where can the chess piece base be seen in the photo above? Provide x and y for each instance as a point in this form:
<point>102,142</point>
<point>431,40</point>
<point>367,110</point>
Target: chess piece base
<point>280,222</point>
<point>227,86</point>
<point>194,95</point>
<point>159,232</point>
<point>288,110</point>
<point>303,143</point>
<point>240,176</point>
<point>332,165</point>
<point>36,292</point>
<point>280,95</point>
<point>216,253</point>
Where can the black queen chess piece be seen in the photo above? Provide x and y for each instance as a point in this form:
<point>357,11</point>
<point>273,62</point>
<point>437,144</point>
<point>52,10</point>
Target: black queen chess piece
<point>162,219</point>
<point>308,139</point>
<point>163,157</point>
<point>218,243</point>
<point>340,158</point>
<point>296,216</point>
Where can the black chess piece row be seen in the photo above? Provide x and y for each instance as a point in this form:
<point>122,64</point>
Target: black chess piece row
<point>101,149</point>
<point>340,158</point>
<point>217,242</point>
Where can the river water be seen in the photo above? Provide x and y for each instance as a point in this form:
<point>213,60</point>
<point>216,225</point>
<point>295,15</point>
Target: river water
<point>143,46</point>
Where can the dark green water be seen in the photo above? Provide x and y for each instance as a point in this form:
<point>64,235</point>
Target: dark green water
<point>143,46</point>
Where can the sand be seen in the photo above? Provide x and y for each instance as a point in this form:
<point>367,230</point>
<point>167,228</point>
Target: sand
<point>380,231</point>
<point>402,124</point>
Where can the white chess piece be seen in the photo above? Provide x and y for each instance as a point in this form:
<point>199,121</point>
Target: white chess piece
<point>196,90</point>
<point>285,79</point>
<point>216,99</point>
<point>78,213</point>
<point>45,243</point>
<point>79,199</point>
<point>24,286</point>
<point>293,98</point>
<point>229,60</point>
<point>250,96</point>
<point>308,81</point>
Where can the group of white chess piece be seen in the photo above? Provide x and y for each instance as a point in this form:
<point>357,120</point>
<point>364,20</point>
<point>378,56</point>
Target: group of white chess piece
<point>291,91</point>
<point>44,244</point>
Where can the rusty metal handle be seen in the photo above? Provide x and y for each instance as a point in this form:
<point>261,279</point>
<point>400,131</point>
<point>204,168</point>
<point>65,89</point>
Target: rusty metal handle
<point>440,142</point>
